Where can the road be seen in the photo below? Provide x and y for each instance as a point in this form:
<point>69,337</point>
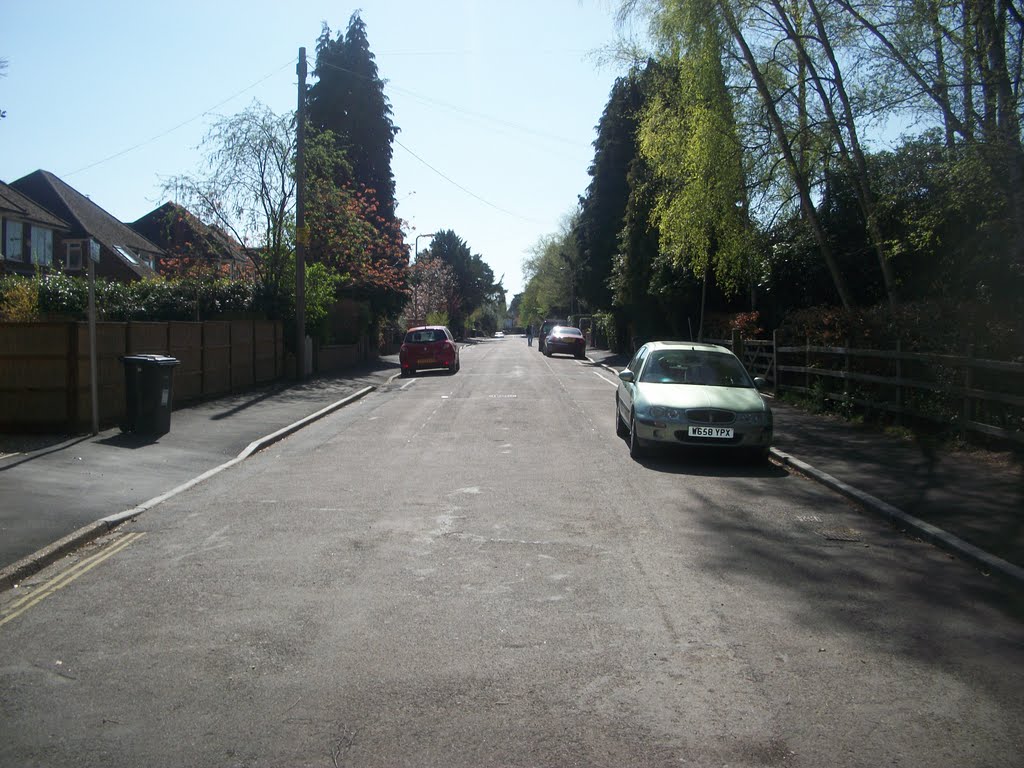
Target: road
<point>469,570</point>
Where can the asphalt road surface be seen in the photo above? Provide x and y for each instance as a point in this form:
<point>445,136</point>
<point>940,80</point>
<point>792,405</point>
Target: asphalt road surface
<point>469,570</point>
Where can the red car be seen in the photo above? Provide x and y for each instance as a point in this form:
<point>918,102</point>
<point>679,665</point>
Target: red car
<point>566,340</point>
<point>429,346</point>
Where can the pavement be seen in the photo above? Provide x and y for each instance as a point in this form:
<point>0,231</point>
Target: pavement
<point>57,493</point>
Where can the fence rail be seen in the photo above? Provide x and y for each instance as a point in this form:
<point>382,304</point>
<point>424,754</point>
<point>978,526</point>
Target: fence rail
<point>976,395</point>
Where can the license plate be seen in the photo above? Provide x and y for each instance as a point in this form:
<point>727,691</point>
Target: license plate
<point>722,433</point>
<point>426,361</point>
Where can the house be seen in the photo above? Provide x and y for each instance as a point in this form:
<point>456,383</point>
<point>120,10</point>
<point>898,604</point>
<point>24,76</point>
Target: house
<point>188,242</point>
<point>28,233</point>
<point>125,255</point>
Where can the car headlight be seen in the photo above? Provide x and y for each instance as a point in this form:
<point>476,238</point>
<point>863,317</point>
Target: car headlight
<point>757,419</point>
<point>661,412</point>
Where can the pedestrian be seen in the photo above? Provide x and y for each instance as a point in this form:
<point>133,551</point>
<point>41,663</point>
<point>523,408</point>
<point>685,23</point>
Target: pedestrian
<point>529,335</point>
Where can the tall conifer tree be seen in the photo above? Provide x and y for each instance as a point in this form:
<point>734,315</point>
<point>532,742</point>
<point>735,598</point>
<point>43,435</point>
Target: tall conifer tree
<point>348,99</point>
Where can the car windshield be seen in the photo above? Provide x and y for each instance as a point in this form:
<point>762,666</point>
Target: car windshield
<point>567,332</point>
<point>687,366</point>
<point>425,336</point>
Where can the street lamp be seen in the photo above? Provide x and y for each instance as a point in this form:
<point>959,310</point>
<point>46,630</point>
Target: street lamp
<point>429,234</point>
<point>415,286</point>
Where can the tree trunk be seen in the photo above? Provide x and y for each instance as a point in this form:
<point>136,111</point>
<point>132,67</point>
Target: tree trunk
<point>854,156</point>
<point>779,129</point>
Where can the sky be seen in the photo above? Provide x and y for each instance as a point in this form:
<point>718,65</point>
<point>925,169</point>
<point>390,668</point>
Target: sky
<point>496,100</point>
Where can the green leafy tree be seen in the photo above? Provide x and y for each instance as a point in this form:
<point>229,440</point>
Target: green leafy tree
<point>549,276</point>
<point>689,139</point>
<point>712,34</point>
<point>349,235</point>
<point>247,187</point>
<point>433,292</point>
<point>474,278</point>
<point>961,63</point>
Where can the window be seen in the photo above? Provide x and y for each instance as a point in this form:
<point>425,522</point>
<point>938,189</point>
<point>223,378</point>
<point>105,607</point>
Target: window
<point>637,361</point>
<point>42,246</point>
<point>710,369</point>
<point>14,247</point>
<point>128,255</point>
<point>73,254</point>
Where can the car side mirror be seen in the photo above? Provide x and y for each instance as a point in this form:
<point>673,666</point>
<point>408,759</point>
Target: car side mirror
<point>760,383</point>
<point>627,376</point>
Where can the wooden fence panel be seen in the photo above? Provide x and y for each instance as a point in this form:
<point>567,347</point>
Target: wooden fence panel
<point>268,351</point>
<point>242,366</point>
<point>147,339</point>
<point>44,367</point>
<point>216,358</point>
<point>186,346</point>
<point>34,376</point>
<point>111,342</point>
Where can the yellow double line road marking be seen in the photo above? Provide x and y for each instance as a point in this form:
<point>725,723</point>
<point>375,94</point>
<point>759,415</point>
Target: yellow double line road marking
<point>60,581</point>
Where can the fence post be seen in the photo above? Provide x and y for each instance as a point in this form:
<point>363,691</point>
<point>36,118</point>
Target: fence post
<point>846,371</point>
<point>968,416</point>
<point>737,344</point>
<point>776,376</point>
<point>807,364</point>
<point>899,382</point>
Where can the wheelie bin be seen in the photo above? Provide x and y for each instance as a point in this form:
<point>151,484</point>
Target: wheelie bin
<point>148,387</point>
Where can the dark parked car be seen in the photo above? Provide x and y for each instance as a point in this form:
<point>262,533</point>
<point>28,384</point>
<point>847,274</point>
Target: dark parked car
<point>545,329</point>
<point>430,346</point>
<point>566,340</point>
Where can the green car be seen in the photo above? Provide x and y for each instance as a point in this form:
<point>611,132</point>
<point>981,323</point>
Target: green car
<point>691,394</point>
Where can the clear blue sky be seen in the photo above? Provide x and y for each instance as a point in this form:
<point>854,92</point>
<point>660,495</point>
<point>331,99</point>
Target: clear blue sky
<point>499,97</point>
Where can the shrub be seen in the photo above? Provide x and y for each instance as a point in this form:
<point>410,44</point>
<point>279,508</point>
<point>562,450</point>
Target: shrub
<point>19,301</point>
<point>59,295</point>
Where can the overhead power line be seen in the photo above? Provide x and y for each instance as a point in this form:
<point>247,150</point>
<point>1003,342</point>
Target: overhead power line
<point>467,191</point>
<point>181,124</point>
<point>462,111</point>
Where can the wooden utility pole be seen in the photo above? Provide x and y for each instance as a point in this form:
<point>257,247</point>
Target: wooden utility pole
<point>94,398</point>
<point>301,235</point>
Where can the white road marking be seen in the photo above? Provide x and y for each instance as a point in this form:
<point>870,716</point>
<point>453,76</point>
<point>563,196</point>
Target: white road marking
<point>605,379</point>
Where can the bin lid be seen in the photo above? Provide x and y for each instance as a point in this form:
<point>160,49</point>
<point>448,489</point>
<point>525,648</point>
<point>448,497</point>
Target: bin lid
<point>150,359</point>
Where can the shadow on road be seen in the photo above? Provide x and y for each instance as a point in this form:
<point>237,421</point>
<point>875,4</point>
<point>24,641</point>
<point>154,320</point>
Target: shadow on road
<point>35,446</point>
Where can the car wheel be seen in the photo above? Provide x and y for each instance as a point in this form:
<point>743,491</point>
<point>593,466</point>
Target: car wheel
<point>412,371</point>
<point>580,355</point>
<point>637,450</point>
<point>452,369</point>
<point>620,426</point>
